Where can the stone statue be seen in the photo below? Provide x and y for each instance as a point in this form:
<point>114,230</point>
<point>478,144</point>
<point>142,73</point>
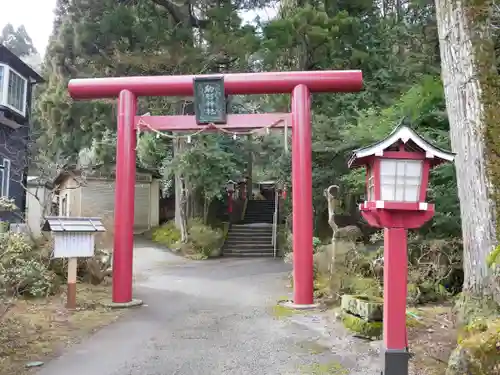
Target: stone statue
<point>331,195</point>
<point>343,240</point>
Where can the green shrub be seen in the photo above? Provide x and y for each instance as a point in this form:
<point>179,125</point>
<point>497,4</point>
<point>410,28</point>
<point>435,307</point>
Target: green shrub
<point>23,269</point>
<point>316,244</point>
<point>204,239</point>
<point>284,239</point>
<point>167,234</point>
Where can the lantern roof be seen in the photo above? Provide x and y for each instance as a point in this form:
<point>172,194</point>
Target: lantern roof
<point>407,136</point>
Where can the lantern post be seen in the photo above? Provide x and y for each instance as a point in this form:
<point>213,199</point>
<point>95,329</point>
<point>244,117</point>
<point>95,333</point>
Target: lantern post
<point>230,190</point>
<point>397,176</point>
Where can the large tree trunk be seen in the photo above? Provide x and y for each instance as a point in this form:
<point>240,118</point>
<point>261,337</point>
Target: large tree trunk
<point>463,32</point>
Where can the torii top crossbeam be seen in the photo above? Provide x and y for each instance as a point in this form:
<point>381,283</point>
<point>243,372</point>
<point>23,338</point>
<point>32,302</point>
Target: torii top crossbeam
<point>235,83</point>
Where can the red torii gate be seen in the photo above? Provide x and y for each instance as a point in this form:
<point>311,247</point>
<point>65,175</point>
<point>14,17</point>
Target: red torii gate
<point>299,84</point>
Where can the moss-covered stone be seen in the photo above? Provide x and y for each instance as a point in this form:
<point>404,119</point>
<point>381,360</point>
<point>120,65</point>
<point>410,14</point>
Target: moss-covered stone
<point>361,326</point>
<point>363,285</point>
<point>368,308</point>
<point>321,284</point>
<point>478,351</point>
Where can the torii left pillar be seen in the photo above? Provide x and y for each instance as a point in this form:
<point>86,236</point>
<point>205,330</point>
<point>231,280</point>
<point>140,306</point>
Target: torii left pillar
<point>299,84</point>
<point>124,198</point>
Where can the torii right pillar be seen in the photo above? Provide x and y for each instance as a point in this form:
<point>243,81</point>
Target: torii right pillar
<point>303,277</point>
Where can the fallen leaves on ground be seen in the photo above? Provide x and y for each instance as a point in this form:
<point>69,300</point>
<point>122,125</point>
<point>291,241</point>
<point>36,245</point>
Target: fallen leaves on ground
<point>432,340</point>
<point>37,330</point>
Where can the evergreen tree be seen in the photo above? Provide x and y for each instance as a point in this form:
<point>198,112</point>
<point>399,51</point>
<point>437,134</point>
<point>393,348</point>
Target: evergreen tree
<point>18,41</point>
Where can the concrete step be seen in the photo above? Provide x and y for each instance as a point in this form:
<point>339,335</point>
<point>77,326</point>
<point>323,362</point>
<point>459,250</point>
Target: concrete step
<point>249,239</point>
<point>251,229</point>
<point>248,232</point>
<point>249,255</point>
<point>257,221</point>
<point>248,246</point>
<point>245,240</point>
<point>260,250</point>
<point>263,219</point>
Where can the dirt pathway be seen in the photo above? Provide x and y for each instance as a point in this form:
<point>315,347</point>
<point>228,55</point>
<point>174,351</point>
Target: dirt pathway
<point>213,318</point>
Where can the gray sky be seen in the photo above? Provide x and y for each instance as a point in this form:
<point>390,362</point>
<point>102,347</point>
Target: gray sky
<point>37,16</point>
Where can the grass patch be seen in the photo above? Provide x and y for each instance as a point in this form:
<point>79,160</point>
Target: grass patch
<point>313,347</point>
<point>37,330</point>
<point>330,368</point>
<point>280,311</point>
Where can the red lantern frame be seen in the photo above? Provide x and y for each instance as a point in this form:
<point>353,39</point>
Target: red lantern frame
<point>396,217</point>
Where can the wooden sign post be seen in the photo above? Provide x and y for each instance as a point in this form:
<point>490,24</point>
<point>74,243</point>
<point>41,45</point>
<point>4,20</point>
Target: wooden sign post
<point>73,239</point>
<point>72,272</point>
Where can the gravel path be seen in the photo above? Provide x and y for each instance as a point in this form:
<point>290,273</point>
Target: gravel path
<point>214,318</point>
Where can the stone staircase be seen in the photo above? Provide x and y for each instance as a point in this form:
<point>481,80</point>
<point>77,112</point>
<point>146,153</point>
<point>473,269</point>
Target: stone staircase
<point>259,212</point>
<point>249,240</point>
<point>254,235</point>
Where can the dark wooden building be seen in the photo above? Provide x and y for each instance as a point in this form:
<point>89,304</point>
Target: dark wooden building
<point>17,80</point>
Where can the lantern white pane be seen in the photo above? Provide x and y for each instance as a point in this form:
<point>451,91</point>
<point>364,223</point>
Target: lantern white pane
<point>412,180</point>
<point>413,168</point>
<point>400,168</point>
<point>387,167</point>
<point>387,192</point>
<point>399,196</point>
<point>388,180</point>
<point>411,193</point>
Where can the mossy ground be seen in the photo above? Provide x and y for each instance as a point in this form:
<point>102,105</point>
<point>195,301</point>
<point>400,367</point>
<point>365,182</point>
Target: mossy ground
<point>313,347</point>
<point>478,350</point>
<point>36,330</point>
<point>361,326</point>
<point>330,368</point>
<point>280,311</point>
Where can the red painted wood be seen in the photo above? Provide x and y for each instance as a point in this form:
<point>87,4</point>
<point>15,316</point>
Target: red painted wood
<point>397,206</point>
<point>376,170</point>
<point>426,168</point>
<point>396,214</point>
<point>404,155</point>
<point>235,83</point>
<point>124,198</point>
<point>396,218</point>
<point>303,280</point>
<point>128,88</point>
<point>395,280</point>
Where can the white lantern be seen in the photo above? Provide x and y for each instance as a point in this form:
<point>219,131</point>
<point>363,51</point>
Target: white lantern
<point>400,180</point>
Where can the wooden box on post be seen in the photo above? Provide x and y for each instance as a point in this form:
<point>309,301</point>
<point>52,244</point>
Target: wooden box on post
<point>74,237</point>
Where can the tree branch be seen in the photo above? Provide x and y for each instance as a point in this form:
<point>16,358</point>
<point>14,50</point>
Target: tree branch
<point>179,16</point>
